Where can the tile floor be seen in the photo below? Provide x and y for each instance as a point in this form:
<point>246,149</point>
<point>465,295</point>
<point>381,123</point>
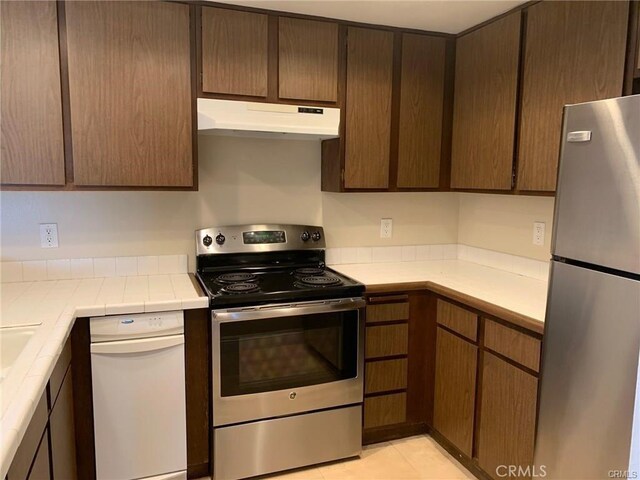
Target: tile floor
<point>419,458</point>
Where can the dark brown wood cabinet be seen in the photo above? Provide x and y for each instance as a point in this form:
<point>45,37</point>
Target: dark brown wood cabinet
<point>574,52</point>
<point>234,52</point>
<point>368,105</point>
<point>307,60</point>
<point>506,429</point>
<point>62,431</point>
<point>421,107</point>
<point>484,112</point>
<point>130,93</point>
<point>31,104</point>
<point>455,389</point>
<point>396,360</point>
<point>48,445</point>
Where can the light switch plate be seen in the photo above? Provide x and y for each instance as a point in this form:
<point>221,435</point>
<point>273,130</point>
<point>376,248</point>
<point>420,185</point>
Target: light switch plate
<point>538,233</point>
<point>49,235</point>
<point>386,227</point>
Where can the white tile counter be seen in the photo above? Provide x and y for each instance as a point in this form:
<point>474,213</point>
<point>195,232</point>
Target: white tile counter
<point>53,306</point>
<point>520,294</point>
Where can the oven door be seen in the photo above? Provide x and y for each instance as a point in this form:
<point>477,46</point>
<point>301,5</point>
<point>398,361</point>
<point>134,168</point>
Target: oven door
<point>280,360</point>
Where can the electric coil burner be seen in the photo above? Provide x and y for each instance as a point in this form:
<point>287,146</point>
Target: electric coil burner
<point>287,349</point>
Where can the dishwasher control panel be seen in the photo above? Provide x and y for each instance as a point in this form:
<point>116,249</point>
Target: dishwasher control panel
<point>139,325</point>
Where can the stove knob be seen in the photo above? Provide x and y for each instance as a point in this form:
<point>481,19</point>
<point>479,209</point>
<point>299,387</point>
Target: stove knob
<point>220,239</point>
<point>315,236</point>
<point>207,240</point>
<point>305,236</point>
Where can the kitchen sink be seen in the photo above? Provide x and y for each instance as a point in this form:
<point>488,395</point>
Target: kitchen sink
<point>12,342</point>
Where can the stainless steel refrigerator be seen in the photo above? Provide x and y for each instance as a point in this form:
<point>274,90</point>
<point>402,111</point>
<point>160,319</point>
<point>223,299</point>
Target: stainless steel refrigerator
<point>589,405</point>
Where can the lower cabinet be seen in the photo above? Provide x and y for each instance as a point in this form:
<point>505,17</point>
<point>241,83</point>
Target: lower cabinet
<point>394,391</point>
<point>485,393</point>
<point>506,430</point>
<point>48,445</point>
<point>455,389</point>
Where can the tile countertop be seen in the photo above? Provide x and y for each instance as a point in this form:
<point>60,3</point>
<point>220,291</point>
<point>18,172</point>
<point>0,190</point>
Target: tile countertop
<point>523,296</point>
<point>53,306</point>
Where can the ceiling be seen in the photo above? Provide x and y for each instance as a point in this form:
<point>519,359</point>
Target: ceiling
<point>450,16</point>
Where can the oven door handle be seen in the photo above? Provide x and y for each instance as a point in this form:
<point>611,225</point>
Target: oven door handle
<point>288,310</point>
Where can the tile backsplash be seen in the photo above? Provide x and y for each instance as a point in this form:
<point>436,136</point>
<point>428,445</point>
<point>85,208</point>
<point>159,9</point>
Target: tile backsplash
<point>75,268</point>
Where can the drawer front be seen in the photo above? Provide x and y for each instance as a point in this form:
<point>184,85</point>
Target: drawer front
<point>385,376</point>
<point>385,410</point>
<point>513,344</point>
<point>386,340</point>
<point>458,319</point>
<point>387,312</point>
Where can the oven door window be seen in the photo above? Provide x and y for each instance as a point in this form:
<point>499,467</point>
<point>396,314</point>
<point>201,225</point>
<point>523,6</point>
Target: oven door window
<point>287,352</point>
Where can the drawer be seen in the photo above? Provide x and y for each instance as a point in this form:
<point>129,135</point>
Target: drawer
<point>458,319</point>
<point>387,312</point>
<point>59,371</point>
<point>386,340</point>
<point>385,375</point>
<point>385,410</point>
<point>513,344</point>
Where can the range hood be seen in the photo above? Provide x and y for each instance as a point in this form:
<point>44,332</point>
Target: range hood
<point>231,117</point>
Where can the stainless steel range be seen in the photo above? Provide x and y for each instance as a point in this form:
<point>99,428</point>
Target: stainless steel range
<point>288,349</point>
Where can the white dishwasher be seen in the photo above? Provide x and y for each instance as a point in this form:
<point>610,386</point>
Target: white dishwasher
<point>139,408</point>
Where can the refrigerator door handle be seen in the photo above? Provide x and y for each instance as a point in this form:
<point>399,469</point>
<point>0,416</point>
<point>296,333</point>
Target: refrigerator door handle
<point>579,136</point>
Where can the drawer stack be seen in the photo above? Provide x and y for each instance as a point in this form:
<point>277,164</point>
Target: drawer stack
<point>386,360</point>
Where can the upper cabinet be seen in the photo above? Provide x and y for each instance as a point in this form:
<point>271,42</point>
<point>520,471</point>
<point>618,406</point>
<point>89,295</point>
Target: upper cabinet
<point>368,119</point>
<point>31,111</point>
<point>270,58</point>
<point>130,93</point>
<point>421,108</point>
<point>395,108</point>
<point>234,52</point>
<point>307,60</point>
<point>485,106</point>
<point>574,52</point>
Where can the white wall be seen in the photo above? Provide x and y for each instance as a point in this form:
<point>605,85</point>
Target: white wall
<point>246,180</point>
<point>505,223</point>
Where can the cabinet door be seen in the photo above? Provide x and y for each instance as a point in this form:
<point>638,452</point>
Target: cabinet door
<point>507,416</point>
<point>484,113</point>
<point>574,52</point>
<point>61,427</point>
<point>130,93</point>
<point>421,103</point>
<point>31,105</point>
<point>40,468</point>
<point>455,389</point>
<point>368,123</point>
<point>234,52</point>
<point>308,60</point>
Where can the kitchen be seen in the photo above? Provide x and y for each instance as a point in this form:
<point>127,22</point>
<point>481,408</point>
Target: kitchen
<point>407,150</point>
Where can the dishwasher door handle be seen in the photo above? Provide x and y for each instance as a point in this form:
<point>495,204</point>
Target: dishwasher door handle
<point>137,345</point>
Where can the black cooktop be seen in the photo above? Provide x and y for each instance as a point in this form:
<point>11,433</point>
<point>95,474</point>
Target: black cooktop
<point>256,285</point>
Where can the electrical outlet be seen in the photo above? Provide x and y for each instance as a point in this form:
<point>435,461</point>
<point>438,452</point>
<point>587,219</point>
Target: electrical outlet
<point>386,227</point>
<point>49,235</point>
<point>538,233</point>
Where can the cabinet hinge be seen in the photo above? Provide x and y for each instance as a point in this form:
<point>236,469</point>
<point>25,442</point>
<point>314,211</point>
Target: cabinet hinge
<point>513,179</point>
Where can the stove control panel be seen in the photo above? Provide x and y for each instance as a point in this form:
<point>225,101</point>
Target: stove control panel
<point>258,238</point>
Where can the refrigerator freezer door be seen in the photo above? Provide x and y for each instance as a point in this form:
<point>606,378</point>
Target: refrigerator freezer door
<point>589,375</point>
<point>597,218</point>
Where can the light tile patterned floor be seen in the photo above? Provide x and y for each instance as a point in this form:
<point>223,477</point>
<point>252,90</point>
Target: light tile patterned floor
<point>419,458</point>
